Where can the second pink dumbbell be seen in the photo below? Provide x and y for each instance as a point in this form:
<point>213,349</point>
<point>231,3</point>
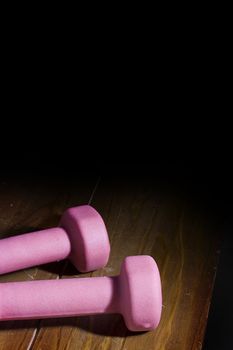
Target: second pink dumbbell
<point>135,293</point>
<point>81,236</point>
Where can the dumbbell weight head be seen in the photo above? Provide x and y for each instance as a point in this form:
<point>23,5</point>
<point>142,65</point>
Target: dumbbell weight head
<point>90,246</point>
<point>141,296</point>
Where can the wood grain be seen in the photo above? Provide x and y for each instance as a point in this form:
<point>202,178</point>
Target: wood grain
<point>141,219</point>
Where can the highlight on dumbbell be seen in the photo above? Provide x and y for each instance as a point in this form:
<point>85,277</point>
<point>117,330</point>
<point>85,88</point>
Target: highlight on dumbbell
<point>135,293</point>
<point>81,237</point>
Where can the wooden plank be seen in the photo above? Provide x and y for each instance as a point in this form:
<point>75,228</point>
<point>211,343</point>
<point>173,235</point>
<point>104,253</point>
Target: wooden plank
<point>143,219</point>
<point>24,208</point>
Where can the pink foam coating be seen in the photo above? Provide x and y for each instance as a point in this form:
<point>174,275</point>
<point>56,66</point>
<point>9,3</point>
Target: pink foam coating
<point>82,237</point>
<point>35,248</point>
<point>55,298</point>
<point>136,293</point>
<point>90,247</point>
<point>141,302</point>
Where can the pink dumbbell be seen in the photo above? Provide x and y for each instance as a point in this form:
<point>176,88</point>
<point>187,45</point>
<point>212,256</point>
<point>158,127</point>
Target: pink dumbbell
<point>81,237</point>
<point>135,293</point>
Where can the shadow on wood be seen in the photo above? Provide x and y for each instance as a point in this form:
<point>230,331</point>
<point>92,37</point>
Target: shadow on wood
<point>106,324</point>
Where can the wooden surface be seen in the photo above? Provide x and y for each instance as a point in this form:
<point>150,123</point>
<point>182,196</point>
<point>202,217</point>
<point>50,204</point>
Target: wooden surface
<point>141,218</point>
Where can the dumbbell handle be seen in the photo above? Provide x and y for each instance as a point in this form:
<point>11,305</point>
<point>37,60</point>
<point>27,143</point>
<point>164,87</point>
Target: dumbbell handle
<point>58,298</point>
<point>34,248</point>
